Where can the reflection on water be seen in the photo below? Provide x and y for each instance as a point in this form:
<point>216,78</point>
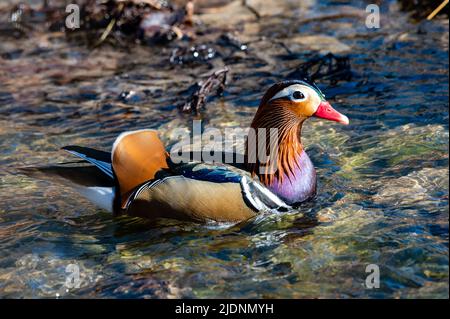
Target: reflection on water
<point>383,180</point>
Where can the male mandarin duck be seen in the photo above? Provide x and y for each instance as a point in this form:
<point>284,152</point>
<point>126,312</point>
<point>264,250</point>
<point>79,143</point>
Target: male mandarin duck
<point>139,177</point>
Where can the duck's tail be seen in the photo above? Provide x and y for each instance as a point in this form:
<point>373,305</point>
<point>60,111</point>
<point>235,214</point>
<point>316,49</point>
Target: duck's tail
<point>87,180</point>
<point>96,183</point>
<point>136,157</point>
<point>101,159</point>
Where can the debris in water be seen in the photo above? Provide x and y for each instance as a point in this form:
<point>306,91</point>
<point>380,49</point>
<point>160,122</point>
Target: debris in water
<point>324,67</point>
<point>420,9</point>
<point>215,82</point>
<point>251,9</point>
<point>200,53</point>
<point>145,21</point>
<point>229,39</point>
<point>162,27</point>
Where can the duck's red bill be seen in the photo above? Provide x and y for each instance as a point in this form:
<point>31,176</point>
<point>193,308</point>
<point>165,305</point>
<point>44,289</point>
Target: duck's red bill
<point>326,111</point>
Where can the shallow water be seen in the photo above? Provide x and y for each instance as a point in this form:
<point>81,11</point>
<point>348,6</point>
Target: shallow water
<point>383,180</point>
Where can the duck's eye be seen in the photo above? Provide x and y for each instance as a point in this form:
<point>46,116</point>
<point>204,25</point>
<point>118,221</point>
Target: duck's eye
<point>298,95</point>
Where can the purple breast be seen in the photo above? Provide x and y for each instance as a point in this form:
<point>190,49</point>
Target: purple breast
<point>299,186</point>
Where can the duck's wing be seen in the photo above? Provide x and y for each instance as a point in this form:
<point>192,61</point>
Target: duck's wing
<point>152,185</point>
<point>260,197</point>
<point>232,159</point>
<point>202,192</point>
<point>137,157</point>
<point>184,198</point>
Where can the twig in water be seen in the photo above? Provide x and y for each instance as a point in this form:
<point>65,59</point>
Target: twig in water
<point>328,67</point>
<point>109,27</point>
<point>197,100</point>
<point>189,12</point>
<point>251,9</point>
<point>437,10</point>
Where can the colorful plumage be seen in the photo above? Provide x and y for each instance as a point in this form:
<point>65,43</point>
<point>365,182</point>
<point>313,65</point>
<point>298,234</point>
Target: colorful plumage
<point>285,106</point>
<point>139,177</point>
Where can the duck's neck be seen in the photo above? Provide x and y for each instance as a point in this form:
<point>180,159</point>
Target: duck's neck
<point>291,175</point>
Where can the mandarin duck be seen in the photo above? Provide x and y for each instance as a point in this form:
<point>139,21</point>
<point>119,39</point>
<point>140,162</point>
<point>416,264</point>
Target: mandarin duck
<point>139,178</point>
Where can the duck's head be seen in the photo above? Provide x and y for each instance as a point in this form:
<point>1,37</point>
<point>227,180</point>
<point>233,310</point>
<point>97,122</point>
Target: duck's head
<point>302,99</point>
<point>285,106</point>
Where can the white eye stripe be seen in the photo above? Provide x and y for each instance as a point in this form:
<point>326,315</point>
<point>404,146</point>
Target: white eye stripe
<point>289,93</point>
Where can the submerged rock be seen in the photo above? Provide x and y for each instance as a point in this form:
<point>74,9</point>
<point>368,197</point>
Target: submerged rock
<point>322,43</point>
<point>417,188</point>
